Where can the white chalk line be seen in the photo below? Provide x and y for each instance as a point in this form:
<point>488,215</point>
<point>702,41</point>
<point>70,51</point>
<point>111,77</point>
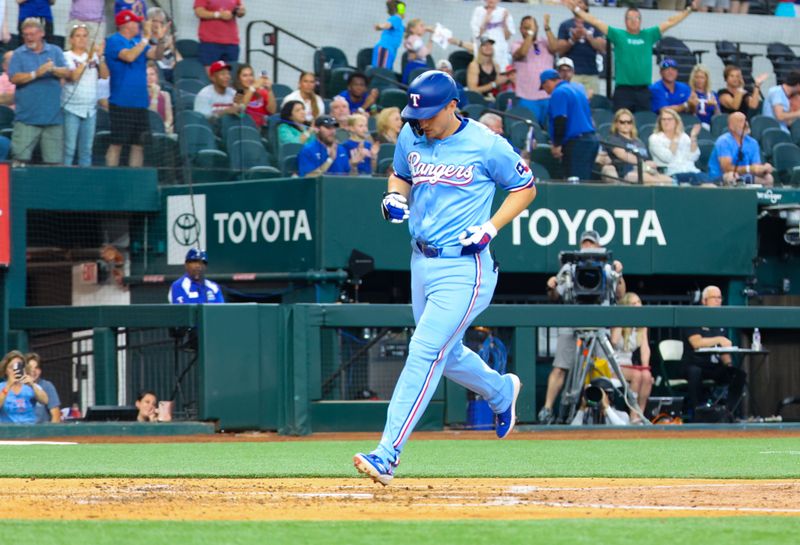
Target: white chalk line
<point>28,443</point>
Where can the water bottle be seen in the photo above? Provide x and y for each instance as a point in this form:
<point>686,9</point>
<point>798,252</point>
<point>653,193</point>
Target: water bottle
<point>756,344</point>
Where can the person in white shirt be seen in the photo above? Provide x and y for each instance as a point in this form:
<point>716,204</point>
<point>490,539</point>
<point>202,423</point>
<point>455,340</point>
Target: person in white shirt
<point>496,23</point>
<point>313,103</point>
<point>216,99</point>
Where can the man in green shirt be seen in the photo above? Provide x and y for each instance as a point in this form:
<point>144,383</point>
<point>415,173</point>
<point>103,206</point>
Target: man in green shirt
<point>633,53</point>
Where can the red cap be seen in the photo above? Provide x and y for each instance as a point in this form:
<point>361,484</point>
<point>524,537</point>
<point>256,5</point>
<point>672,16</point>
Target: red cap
<point>217,66</point>
<point>126,16</point>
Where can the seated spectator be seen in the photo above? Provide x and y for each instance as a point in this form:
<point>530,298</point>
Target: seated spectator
<point>668,92</point>
<point>737,157</point>
<point>147,404</point>
<point>340,110</point>
<point>388,125</point>
<point>45,412</point>
<point>162,30</point>
<point>566,69</point>
<point>360,145</point>
<point>36,69</point>
<point>385,51</point>
<point>628,342</point>
<point>40,11</point>
<point>675,150</point>
<point>256,96</point>
<point>79,97</point>
<point>707,366</point>
<point>417,50</point>
<point>19,394</point>
<point>734,97</point>
<point>776,104</point>
<point>91,14</point>
<point>495,124</point>
<point>7,88</point>
<point>702,100</point>
<point>483,75</point>
<point>216,99</point>
<point>293,128</point>
<point>356,95</point>
<point>217,31</point>
<point>324,155</point>
<point>314,104</point>
<point>160,100</point>
<point>624,155</point>
<point>445,66</point>
<point>532,56</point>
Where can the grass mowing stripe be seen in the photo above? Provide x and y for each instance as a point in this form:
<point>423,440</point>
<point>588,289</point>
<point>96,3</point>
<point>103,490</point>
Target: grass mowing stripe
<point>743,458</point>
<point>708,531</point>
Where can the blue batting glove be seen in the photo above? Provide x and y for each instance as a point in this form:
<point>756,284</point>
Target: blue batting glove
<point>394,207</point>
<point>476,238</point>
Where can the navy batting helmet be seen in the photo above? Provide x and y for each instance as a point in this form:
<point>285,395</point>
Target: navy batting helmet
<point>196,254</point>
<point>429,93</point>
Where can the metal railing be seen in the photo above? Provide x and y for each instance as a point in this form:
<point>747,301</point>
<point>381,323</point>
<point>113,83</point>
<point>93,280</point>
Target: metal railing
<point>272,39</point>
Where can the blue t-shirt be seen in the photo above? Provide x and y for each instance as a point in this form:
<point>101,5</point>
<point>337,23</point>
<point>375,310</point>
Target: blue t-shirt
<point>18,408</point>
<point>454,180</point>
<point>315,153</point>
<point>583,55</point>
<point>776,97</point>
<point>53,402</point>
<point>35,8</point>
<point>705,111</point>
<point>726,146</point>
<point>660,96</point>
<point>391,38</point>
<point>354,105</point>
<point>128,80</point>
<point>185,291</point>
<point>365,166</point>
<point>570,101</point>
<point>38,102</point>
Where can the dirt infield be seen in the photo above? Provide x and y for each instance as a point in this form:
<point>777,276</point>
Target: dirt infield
<point>404,499</point>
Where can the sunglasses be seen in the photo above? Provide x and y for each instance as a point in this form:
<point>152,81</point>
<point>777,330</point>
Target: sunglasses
<point>625,121</point>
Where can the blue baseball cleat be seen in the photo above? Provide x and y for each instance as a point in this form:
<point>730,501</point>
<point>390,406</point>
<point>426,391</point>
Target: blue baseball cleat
<point>504,421</point>
<point>374,467</point>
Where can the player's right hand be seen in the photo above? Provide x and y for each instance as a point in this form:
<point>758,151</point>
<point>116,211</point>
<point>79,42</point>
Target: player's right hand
<point>394,207</point>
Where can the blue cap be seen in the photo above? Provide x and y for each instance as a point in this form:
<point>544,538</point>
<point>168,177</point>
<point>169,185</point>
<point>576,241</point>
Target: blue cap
<point>669,63</point>
<point>196,254</point>
<point>547,75</point>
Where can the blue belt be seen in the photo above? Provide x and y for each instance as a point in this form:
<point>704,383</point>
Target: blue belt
<point>432,251</point>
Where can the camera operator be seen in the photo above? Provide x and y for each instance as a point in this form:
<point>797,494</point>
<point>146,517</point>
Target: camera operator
<point>19,394</point>
<point>599,395</point>
<point>566,354</point>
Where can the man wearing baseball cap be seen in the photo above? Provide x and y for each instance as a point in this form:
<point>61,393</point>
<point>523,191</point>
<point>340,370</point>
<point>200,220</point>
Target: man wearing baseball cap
<point>323,154</point>
<point>193,286</point>
<point>216,99</point>
<point>566,70</point>
<point>668,92</point>
<point>570,124</point>
<point>127,52</point>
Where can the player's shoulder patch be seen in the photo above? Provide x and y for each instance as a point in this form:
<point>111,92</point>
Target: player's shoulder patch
<point>522,168</point>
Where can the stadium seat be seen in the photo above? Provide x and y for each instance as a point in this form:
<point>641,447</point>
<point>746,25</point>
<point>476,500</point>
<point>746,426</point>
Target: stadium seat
<point>601,116</point>
<point>460,76</point>
<point>228,121</point>
<point>785,157</point>
<point>689,121</point>
<point>474,111</point>
<point>520,135</point>
<point>246,154</point>
<point>156,123</point>
<point>706,147</point>
<point>671,359</point>
<point>795,130</point>
<point>272,123</point>
<point>363,58</point>
<point>193,138</point>
<point>189,69</point>
<point>760,123</point>
<point>604,130</point>
<point>187,48</point>
<point>731,53</point>
<point>770,138</point>
<point>783,60</point>
<point>601,101</point>
<point>542,155</point>
<point>386,152</point>
<point>719,125</point>
<point>505,100</point>
<point>237,133</point>
<point>210,166</point>
<point>645,131</point>
<point>184,102</point>
<point>6,117</point>
<point>162,153</point>
<point>393,97</point>
<point>384,166</point>
<point>289,165</point>
<point>190,85</point>
<point>287,149</point>
<point>261,173</point>
<point>460,59</point>
<point>337,80</point>
<point>280,91</point>
<point>404,61</point>
<point>417,72</point>
<point>540,171</point>
<point>328,58</point>
<point>516,114</point>
<point>190,117</point>
<point>645,117</point>
<point>381,78</point>
<point>474,97</point>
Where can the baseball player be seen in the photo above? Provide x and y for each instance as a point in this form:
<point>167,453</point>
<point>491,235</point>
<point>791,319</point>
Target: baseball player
<point>193,286</point>
<point>445,172</point>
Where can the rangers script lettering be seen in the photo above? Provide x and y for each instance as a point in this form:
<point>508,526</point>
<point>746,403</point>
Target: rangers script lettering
<point>430,173</point>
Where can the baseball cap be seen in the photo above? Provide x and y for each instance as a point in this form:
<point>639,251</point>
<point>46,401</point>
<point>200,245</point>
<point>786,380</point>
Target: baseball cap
<point>565,61</point>
<point>590,235</point>
<point>126,16</point>
<point>444,64</point>
<point>326,121</point>
<point>669,63</point>
<point>547,75</point>
<point>217,66</point>
<point>485,39</point>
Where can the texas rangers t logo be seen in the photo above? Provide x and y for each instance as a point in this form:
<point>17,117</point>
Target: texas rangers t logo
<point>415,99</point>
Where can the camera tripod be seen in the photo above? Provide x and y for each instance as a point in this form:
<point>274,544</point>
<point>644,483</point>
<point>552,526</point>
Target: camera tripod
<point>590,344</point>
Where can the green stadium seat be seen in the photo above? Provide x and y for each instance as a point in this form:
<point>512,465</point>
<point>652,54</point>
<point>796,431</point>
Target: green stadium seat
<point>770,138</point>
<point>210,166</point>
<point>241,132</point>
<point>156,123</point>
<point>280,91</point>
<point>289,165</point>
<point>393,98</point>
<point>460,59</point>
<point>189,68</point>
<point>187,48</point>
<point>601,116</point>
<point>644,117</point>
<point>337,80</point>
<point>474,97</point>
<point>760,123</point>
<point>502,100</point>
<point>519,135</point>
<point>785,157</point>
<point>246,154</point>
<point>194,138</point>
<point>190,117</point>
<point>706,147</point>
<point>190,85</point>
<point>540,171</point>
<point>719,125</point>
<point>261,173</point>
<point>381,78</point>
<point>601,102</point>
<point>474,111</point>
<point>542,155</point>
<point>364,59</point>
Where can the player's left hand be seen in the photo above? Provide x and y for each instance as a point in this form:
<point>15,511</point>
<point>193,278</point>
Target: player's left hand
<point>476,238</point>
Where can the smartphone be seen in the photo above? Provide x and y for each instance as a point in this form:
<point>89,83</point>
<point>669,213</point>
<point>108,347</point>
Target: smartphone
<point>19,369</point>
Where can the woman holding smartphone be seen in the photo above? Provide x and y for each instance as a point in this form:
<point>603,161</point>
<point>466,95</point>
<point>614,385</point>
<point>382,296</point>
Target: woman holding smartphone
<point>256,97</point>
<point>19,394</point>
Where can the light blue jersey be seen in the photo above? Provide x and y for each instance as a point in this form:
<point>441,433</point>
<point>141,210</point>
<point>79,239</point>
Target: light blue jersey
<point>454,179</point>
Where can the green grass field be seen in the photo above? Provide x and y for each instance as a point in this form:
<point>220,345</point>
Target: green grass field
<point>748,458</point>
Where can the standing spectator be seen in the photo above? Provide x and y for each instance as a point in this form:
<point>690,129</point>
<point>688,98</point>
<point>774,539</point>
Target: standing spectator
<point>533,55</point>
<point>79,97</point>
<point>127,52</point>
<point>45,412</point>
<point>417,49</point>
<point>340,110</point>
<point>702,100</point>
<point>7,89</point>
<point>162,30</point>
<point>160,100</point>
<point>324,155</point>
<point>217,98</point>
<point>293,128</point>
<point>193,287</point>
<point>39,10</point>
<point>736,156</point>
<point>718,6</point>
<point>217,31</point>
<point>582,42</point>
<point>571,127</point>
<point>675,150</point>
<point>776,105</point>
<point>314,105</point>
<point>566,70</point>
<point>356,95</point>
<point>5,35</point>
<point>36,69</point>
<point>496,23</point>
<point>90,13</point>
<point>626,151</point>
<point>388,125</point>
<point>358,143</point>
<point>256,96</point>
<point>385,50</point>
<point>668,92</point>
<point>633,54</point>
<point>19,394</point>
<point>734,97</point>
<point>483,73</point>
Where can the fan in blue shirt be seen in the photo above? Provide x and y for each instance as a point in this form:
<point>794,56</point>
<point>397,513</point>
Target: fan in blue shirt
<point>318,156</point>
<point>668,91</point>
